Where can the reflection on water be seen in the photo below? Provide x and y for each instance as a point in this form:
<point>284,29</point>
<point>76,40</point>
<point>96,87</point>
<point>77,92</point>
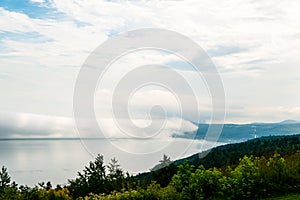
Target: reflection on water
<point>33,161</point>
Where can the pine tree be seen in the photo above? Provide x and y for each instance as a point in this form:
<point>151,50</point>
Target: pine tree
<point>4,179</point>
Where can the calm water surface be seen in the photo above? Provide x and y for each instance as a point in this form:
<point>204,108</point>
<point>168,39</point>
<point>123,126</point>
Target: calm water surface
<point>57,160</point>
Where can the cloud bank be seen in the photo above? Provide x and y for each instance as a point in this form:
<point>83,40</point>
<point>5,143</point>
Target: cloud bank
<point>26,125</point>
<point>254,44</point>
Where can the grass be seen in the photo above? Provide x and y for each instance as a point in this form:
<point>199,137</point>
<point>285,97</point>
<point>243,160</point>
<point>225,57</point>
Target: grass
<point>287,197</point>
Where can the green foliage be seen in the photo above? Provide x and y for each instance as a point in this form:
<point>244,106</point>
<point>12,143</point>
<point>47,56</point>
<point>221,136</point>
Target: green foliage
<point>51,194</point>
<point>223,156</point>
<point>44,191</point>
<point>199,183</point>
<point>91,180</point>
<point>286,197</point>
<point>116,178</point>
<point>252,178</point>
<point>208,183</point>
<point>152,192</point>
<point>95,179</point>
<point>164,175</point>
<point>243,179</point>
<point>231,153</point>
<point>10,192</point>
<point>4,180</point>
<point>182,181</point>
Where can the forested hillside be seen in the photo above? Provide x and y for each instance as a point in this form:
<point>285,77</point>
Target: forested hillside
<point>229,155</point>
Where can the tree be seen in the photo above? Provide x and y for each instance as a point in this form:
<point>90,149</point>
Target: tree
<point>277,173</point>
<point>93,179</point>
<point>114,167</point>
<point>207,183</point>
<point>165,161</point>
<point>47,187</point>
<point>4,180</point>
<point>164,176</point>
<point>116,177</point>
<point>244,178</point>
<point>182,180</point>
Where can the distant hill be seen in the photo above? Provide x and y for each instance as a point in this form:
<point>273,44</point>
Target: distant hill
<point>290,121</point>
<point>233,133</point>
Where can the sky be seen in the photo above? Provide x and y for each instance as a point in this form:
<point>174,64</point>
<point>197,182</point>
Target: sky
<point>43,44</point>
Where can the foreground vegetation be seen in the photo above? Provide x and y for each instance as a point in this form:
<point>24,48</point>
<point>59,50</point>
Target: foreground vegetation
<point>249,177</point>
<point>287,197</point>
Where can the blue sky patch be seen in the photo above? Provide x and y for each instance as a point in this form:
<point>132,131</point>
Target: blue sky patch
<point>180,65</point>
<point>28,37</point>
<point>32,10</point>
<point>224,50</point>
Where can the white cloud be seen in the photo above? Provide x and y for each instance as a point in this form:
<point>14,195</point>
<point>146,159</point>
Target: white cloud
<point>20,125</point>
<point>171,126</point>
<point>261,72</point>
<point>37,1</point>
<point>33,125</point>
<point>14,22</point>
